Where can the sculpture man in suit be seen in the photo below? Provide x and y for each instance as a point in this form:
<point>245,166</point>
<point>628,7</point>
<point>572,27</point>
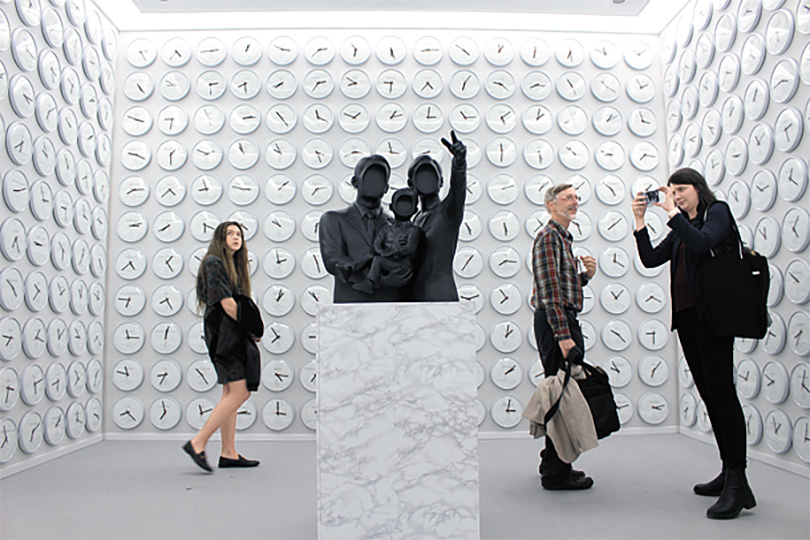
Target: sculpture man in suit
<point>347,237</point>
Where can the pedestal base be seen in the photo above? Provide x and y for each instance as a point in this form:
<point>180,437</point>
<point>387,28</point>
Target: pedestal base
<point>397,430</point>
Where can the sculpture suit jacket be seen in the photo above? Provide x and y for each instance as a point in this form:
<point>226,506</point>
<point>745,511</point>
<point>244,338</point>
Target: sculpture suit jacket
<point>344,239</point>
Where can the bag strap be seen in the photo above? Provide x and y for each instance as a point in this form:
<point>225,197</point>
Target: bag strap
<point>567,366</point>
<point>734,227</point>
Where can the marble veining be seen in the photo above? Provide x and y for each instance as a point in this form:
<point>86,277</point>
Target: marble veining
<point>397,430</point>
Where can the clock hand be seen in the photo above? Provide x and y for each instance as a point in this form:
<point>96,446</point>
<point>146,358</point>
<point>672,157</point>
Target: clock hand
<point>510,370</point>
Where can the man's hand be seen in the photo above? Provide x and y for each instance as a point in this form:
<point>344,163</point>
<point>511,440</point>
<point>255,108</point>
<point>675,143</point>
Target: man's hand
<point>590,265</point>
<point>456,148</point>
<point>344,271</point>
<point>397,277</point>
<point>566,345</point>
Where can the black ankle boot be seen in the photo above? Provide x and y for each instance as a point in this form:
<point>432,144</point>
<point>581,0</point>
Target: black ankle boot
<point>736,496</point>
<point>712,488</point>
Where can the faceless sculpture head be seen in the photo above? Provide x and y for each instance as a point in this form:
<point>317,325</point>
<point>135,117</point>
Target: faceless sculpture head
<point>403,204</point>
<point>425,176</point>
<point>371,177</point>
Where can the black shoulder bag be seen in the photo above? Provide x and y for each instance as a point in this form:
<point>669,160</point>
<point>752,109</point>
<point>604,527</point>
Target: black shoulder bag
<point>735,288</point>
<point>596,389</point>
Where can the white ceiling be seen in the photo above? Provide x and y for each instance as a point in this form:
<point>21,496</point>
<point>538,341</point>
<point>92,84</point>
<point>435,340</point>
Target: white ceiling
<point>629,16</point>
<point>580,7</point>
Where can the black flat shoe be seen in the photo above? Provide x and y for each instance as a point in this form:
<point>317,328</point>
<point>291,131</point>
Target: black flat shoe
<point>199,459</point>
<point>571,483</point>
<point>228,463</point>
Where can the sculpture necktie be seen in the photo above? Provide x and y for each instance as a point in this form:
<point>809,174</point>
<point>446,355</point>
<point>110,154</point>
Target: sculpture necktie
<point>369,219</point>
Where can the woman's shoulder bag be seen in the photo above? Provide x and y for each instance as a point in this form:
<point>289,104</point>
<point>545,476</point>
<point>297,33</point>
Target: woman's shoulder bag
<point>735,288</point>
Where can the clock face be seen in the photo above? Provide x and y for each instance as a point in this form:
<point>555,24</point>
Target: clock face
<point>798,337</point>
<point>280,154</point>
<point>172,120</point>
<point>792,179</point>
<point>211,51</point>
<point>209,119</point>
<point>778,431</point>
<point>800,376</point>
<point>128,412</point>
<point>127,374</point>
<point>506,411</point>
<point>653,408</point>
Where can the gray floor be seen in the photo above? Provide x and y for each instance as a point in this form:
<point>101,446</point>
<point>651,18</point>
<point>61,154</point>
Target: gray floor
<point>152,490</point>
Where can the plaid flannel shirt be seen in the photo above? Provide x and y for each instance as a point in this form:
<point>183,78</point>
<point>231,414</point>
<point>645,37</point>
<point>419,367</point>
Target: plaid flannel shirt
<point>556,283</point>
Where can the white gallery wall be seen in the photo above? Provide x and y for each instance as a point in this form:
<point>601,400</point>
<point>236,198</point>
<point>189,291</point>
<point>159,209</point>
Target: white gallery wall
<point>57,75</point>
<point>264,127</point>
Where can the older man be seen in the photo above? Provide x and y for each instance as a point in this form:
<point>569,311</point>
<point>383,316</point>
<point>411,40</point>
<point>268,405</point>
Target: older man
<point>557,299</point>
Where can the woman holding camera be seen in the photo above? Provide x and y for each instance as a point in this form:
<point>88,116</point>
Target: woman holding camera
<point>700,223</point>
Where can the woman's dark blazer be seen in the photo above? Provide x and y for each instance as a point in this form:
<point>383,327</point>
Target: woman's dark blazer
<point>698,238</point>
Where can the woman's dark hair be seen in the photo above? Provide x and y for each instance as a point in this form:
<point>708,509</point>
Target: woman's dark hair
<point>236,266</point>
<point>691,177</point>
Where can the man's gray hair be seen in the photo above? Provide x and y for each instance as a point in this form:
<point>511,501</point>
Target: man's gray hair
<point>552,192</point>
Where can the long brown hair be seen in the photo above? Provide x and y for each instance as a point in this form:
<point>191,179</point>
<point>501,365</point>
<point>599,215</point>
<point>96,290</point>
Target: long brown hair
<point>236,266</point>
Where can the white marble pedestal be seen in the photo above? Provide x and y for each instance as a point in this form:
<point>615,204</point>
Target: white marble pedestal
<point>397,431</point>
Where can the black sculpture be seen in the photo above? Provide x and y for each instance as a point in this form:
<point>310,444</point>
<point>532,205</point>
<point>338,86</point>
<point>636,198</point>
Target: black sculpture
<point>440,219</point>
<point>395,244</point>
<point>347,237</point>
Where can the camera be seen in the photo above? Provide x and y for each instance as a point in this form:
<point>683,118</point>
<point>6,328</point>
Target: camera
<point>652,196</point>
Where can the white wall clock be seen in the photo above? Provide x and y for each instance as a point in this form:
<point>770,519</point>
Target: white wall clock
<point>614,261</point>
<point>171,155</point>
<point>355,84</point>
<point>317,153</point>
<point>796,229</point>
<point>792,179</point>
<point>615,298</point>
<point>129,300</point>
<point>640,88</point>
<point>175,85</point>
<point>687,66</point>
<point>501,151</point>
<point>464,84</point>
<point>127,374</point>
<point>167,263</point>
<point>211,51</point>
<point>653,408</point>
<point>19,143</point>
<point>571,86</point>
<point>428,51</point>
<point>500,84</point>
<point>538,119</point>
<point>463,51</point>
<point>130,263</point>
<point>788,129</point>
<point>778,431</point>
<point>573,154</point>
<point>209,119</point>
<point>135,155</point>
<point>619,371</point>
<point>616,335</point>
<point>798,338</point>
<point>760,144</point>
<point>280,154</point>
<point>128,412</point>
<point>210,85</point>
<point>280,189</point>
<point>608,121</point>
<point>801,437</point>
<point>246,51</point>
<point>128,338</point>
<point>653,334</point>
<point>243,154</point>
<point>318,118</point>
<point>353,150</point>
<point>468,262</point>
<point>138,86</point>
<point>11,345</point>
<point>536,85</point>
<point>785,80</point>
<point>610,155</point>
<point>31,432</point>
<point>427,83</point>
<point>281,84</point>
<point>318,83</point>
<point>653,370</point>
<point>165,413</point>
<point>281,118</point>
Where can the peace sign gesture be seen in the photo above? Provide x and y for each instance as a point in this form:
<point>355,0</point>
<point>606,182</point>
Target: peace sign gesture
<point>456,148</point>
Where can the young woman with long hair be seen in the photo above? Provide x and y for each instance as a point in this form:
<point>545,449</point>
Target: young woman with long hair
<point>223,273</point>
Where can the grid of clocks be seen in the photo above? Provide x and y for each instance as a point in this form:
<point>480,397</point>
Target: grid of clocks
<point>523,109</point>
<point>56,71</point>
<point>736,79</point>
